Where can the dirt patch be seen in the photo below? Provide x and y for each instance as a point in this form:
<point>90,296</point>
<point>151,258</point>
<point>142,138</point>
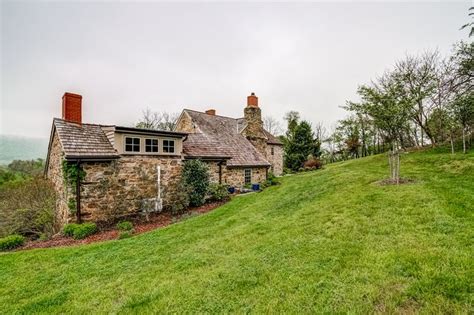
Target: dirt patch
<point>389,181</point>
<point>110,233</point>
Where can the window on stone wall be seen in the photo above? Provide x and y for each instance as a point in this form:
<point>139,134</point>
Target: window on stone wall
<point>273,150</point>
<point>168,146</point>
<point>151,145</point>
<point>248,176</point>
<point>132,144</point>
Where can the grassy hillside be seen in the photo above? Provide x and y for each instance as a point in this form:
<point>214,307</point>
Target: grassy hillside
<point>326,241</point>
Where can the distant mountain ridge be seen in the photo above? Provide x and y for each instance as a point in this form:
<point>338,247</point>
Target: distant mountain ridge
<point>22,148</point>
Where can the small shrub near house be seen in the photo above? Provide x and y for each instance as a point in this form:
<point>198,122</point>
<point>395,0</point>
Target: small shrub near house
<point>11,242</point>
<point>218,192</point>
<point>271,180</point>
<point>125,228</point>
<point>79,231</point>
<point>196,180</point>
<point>312,163</point>
<point>181,201</point>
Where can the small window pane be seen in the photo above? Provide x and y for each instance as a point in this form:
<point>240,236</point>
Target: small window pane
<point>248,176</point>
<point>168,146</point>
<point>132,144</point>
<point>151,145</point>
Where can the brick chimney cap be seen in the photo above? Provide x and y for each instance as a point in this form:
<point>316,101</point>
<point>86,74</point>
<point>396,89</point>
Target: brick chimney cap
<point>68,94</point>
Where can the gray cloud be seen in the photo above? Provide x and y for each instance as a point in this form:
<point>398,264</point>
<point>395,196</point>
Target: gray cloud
<point>123,57</point>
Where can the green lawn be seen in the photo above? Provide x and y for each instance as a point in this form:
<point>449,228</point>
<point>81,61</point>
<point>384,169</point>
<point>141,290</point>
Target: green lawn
<point>325,241</point>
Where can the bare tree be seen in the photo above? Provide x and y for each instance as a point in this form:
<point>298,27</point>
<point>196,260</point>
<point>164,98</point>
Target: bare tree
<point>272,125</point>
<point>320,132</point>
<point>157,120</point>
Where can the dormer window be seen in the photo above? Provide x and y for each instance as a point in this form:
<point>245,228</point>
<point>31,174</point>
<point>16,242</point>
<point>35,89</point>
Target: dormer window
<point>132,144</point>
<point>168,146</point>
<point>151,145</point>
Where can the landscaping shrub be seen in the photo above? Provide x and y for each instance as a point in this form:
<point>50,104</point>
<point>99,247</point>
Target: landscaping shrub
<point>125,234</point>
<point>271,180</point>
<point>181,201</point>
<point>69,229</point>
<point>11,242</point>
<point>125,226</point>
<point>27,208</point>
<point>196,179</point>
<point>312,163</point>
<point>79,231</point>
<point>218,192</point>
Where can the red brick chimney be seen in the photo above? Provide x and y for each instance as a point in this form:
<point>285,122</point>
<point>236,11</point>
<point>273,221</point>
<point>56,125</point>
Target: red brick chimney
<point>72,107</point>
<point>252,100</point>
<point>211,112</point>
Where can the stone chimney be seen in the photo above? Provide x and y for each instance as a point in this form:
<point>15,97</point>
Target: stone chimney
<point>211,112</point>
<point>254,130</point>
<point>72,107</point>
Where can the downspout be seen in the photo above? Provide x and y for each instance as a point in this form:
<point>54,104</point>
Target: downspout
<point>220,173</point>
<point>78,193</point>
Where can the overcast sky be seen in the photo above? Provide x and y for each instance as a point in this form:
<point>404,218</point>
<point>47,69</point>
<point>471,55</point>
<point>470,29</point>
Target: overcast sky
<point>123,57</point>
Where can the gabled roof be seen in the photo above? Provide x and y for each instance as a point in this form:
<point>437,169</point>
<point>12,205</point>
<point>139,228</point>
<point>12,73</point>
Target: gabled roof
<point>83,141</point>
<point>220,136</point>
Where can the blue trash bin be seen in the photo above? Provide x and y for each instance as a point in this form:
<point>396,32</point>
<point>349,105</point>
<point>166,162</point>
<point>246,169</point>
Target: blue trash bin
<point>255,187</point>
<point>231,190</point>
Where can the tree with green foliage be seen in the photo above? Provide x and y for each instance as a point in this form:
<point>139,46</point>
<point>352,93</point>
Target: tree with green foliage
<point>300,145</point>
<point>195,176</point>
<point>463,110</point>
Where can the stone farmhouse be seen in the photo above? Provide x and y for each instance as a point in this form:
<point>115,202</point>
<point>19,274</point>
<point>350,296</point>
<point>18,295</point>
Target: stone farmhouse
<point>127,169</point>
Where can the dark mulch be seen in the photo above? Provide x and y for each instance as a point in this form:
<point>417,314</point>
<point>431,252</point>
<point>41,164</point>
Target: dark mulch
<point>390,181</point>
<point>110,233</point>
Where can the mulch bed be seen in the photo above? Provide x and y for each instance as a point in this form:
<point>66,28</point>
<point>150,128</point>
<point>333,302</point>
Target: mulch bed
<point>110,233</point>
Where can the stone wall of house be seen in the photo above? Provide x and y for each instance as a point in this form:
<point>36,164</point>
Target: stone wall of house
<point>235,176</point>
<point>275,159</point>
<point>55,175</point>
<point>185,124</point>
<point>119,188</point>
<point>214,171</point>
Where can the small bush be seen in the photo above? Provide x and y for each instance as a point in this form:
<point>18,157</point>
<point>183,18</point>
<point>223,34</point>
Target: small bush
<point>11,242</point>
<point>181,202</point>
<point>69,229</point>
<point>125,234</point>
<point>312,164</point>
<point>196,179</point>
<point>218,192</point>
<point>271,180</point>
<point>125,226</point>
<point>79,231</point>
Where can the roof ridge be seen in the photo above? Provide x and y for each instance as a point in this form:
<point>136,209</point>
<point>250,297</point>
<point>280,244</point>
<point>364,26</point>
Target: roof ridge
<point>196,111</point>
<point>89,124</point>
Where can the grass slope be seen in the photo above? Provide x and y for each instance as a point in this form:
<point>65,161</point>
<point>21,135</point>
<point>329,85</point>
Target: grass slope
<point>326,241</point>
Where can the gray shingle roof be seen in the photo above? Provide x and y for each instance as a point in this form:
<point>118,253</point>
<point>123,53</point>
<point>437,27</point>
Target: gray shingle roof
<point>83,140</point>
<point>220,137</point>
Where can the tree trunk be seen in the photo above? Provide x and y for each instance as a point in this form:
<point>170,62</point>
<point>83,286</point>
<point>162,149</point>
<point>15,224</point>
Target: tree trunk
<point>452,142</point>
<point>464,140</point>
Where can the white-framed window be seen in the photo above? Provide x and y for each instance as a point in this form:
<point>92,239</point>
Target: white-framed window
<point>151,145</point>
<point>248,176</point>
<point>132,144</point>
<point>168,146</point>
